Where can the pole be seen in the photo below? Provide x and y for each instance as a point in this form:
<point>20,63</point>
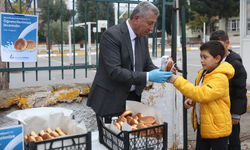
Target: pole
<point>178,25</point>
<point>204,32</point>
<point>89,39</point>
<point>70,50</point>
<point>184,66</point>
<point>163,28</point>
<point>116,20</point>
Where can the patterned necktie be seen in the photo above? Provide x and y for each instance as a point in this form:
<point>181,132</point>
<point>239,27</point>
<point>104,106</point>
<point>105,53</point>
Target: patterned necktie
<point>138,63</point>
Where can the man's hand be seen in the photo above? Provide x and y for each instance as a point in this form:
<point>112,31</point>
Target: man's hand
<point>159,76</point>
<point>188,103</point>
<point>235,121</point>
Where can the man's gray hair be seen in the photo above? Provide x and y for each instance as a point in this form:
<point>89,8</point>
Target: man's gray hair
<point>143,9</point>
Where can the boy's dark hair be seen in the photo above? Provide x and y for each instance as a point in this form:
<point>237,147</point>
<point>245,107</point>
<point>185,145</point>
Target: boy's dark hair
<point>219,35</point>
<point>215,48</point>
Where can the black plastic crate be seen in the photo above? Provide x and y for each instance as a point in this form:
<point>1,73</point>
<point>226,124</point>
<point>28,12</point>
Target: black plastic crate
<point>68,142</point>
<point>151,138</point>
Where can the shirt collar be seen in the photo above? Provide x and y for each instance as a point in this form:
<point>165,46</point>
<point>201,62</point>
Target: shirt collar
<point>131,32</point>
<point>224,59</point>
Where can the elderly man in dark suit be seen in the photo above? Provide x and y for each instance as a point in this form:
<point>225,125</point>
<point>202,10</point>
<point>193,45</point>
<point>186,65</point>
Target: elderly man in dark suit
<point>125,65</point>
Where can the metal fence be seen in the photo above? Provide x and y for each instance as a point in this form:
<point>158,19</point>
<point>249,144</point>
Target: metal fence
<point>87,50</point>
<point>85,64</point>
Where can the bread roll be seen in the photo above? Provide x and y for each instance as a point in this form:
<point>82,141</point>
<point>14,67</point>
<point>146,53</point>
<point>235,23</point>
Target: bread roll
<point>25,137</point>
<point>134,122</point>
<point>31,45</point>
<point>60,132</point>
<point>48,130</point>
<point>135,117</point>
<point>142,126</point>
<point>54,134</point>
<point>159,129</point>
<point>41,133</point>
<point>159,133</point>
<point>127,113</point>
<point>155,124</point>
<point>169,65</point>
<point>47,136</point>
<point>134,125</point>
<point>122,119</point>
<point>139,115</point>
<point>129,119</point>
<point>30,139</point>
<point>147,120</point>
<point>134,128</point>
<point>117,125</point>
<point>39,138</point>
<point>32,133</point>
<point>20,44</point>
<point>151,132</point>
<point>121,123</point>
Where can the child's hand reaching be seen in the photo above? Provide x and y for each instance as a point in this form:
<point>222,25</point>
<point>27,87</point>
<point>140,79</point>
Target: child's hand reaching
<point>174,70</point>
<point>174,75</point>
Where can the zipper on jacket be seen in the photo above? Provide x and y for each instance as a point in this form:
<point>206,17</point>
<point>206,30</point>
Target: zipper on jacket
<point>193,115</point>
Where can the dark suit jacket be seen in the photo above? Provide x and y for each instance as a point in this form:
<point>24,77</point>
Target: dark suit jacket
<point>115,75</point>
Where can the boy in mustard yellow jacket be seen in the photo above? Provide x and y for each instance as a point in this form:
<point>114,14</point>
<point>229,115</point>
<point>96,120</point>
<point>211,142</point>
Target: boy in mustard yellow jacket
<point>210,96</point>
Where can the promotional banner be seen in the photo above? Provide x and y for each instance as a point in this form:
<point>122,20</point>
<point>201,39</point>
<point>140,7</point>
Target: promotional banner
<point>11,138</point>
<point>19,37</point>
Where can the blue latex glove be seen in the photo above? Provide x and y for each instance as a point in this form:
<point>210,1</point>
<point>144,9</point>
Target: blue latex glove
<point>159,76</point>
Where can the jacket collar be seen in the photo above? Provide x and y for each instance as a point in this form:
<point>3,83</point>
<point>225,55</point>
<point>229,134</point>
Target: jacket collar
<point>126,38</point>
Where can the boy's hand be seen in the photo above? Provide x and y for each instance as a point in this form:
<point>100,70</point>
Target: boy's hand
<point>174,70</point>
<point>174,76</point>
<point>188,103</point>
<point>235,121</point>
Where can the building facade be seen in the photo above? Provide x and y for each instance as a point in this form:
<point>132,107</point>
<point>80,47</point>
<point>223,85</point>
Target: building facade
<point>245,36</point>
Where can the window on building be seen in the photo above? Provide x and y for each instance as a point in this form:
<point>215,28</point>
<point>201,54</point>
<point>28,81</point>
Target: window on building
<point>196,30</point>
<point>38,13</point>
<point>39,3</point>
<point>233,25</point>
<point>27,3</point>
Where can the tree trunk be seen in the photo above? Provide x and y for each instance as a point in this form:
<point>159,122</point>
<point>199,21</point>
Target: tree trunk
<point>2,6</point>
<point>226,25</point>
<point>208,29</point>
<point>4,85</point>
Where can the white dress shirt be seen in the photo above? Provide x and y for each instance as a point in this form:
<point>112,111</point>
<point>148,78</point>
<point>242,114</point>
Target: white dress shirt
<point>132,38</point>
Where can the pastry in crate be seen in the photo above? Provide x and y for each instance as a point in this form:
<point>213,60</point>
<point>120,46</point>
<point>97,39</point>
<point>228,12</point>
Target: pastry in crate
<point>42,135</point>
<point>139,121</point>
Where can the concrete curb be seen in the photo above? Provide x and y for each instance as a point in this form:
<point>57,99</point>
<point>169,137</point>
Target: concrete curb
<point>43,96</point>
<point>198,48</point>
<point>57,51</point>
<point>59,55</point>
<point>93,53</point>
